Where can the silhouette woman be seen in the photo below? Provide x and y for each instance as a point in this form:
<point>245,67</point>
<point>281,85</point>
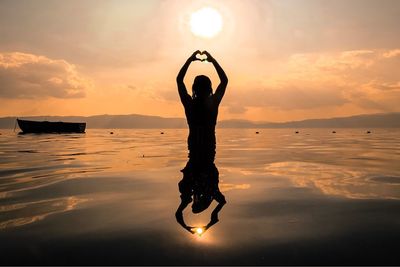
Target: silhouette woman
<point>201,110</point>
<point>200,176</point>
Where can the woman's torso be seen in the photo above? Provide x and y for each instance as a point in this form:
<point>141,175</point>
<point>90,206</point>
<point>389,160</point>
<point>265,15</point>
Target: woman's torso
<point>202,116</point>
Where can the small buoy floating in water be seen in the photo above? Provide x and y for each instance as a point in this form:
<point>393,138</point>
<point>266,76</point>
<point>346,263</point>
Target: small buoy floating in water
<point>257,132</point>
<point>111,132</point>
<point>296,132</point>
<point>333,131</point>
<point>368,132</point>
<point>162,133</point>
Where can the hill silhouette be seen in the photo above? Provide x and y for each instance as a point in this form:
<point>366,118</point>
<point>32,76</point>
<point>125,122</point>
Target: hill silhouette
<point>136,121</point>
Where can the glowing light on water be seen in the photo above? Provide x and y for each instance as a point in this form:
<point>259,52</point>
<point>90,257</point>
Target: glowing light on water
<point>199,231</point>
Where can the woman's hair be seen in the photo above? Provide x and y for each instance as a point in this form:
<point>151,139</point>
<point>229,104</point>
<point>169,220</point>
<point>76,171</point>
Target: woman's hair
<point>201,87</point>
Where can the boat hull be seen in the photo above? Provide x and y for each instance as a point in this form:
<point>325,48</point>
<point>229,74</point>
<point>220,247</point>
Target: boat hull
<point>51,127</point>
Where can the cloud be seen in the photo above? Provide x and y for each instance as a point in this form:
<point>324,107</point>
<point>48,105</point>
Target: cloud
<point>387,86</point>
<point>236,109</point>
<point>31,76</point>
<point>392,53</point>
<point>288,97</point>
<point>365,79</point>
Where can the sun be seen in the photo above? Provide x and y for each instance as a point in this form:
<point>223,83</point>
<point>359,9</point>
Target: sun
<point>206,22</point>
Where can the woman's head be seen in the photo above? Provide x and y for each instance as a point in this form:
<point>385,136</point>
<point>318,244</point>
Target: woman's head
<point>201,87</point>
<point>201,202</point>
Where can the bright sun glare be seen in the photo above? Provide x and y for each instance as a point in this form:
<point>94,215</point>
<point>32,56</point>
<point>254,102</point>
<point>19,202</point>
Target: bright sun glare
<point>199,231</point>
<point>206,22</point>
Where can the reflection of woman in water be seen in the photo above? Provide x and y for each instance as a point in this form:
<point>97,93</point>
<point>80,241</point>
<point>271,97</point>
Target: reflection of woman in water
<point>200,176</point>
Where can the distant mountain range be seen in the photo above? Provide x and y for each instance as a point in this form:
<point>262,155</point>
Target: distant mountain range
<point>387,120</point>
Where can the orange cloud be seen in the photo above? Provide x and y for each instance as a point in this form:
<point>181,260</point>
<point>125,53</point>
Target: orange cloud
<point>363,79</point>
<point>392,53</point>
<point>31,76</point>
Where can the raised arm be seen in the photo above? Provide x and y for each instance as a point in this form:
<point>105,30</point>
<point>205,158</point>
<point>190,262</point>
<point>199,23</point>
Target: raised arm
<point>220,91</point>
<point>220,198</point>
<point>179,216</point>
<point>183,94</point>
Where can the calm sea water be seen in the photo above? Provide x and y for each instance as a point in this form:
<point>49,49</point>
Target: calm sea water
<point>100,198</point>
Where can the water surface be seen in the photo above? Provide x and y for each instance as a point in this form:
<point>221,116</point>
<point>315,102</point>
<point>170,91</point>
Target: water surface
<point>98,198</point>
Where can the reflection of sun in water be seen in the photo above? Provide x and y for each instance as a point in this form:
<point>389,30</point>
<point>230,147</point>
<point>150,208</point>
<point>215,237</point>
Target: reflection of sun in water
<point>199,231</point>
<point>206,22</point>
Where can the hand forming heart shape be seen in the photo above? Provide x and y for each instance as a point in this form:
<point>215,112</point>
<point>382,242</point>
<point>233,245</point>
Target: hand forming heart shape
<point>201,56</point>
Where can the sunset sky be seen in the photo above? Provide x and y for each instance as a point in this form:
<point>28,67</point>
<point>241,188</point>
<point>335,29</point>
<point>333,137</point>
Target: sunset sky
<point>285,59</point>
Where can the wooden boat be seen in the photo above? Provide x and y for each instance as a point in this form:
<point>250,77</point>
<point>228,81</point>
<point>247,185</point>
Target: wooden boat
<point>51,127</point>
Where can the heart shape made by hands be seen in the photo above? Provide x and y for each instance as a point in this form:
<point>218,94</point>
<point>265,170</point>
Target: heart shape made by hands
<point>202,57</point>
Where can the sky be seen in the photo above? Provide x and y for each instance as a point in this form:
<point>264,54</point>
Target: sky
<point>285,59</point>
